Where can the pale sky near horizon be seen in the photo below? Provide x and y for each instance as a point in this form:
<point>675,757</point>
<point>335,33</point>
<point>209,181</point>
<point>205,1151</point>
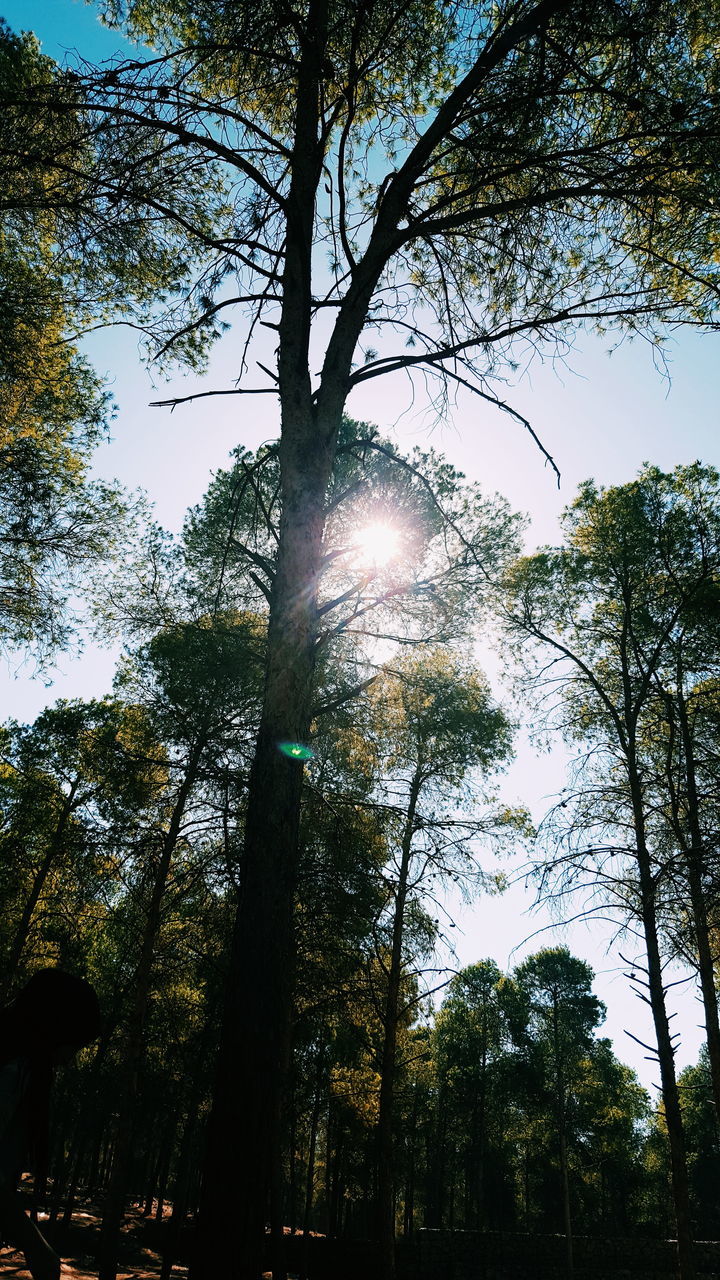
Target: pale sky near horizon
<point>602,416</point>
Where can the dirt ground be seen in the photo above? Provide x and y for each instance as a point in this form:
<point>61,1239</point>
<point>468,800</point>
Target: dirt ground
<point>12,1267</point>
<point>139,1262</point>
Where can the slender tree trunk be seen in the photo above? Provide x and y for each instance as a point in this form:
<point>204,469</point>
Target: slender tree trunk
<point>179,1195</point>
<point>335,1176</point>
<point>164,1168</point>
<point>113,1208</point>
<point>666,1054</point>
<point>567,1216</point>
<point>561,1118</point>
<point>292,1169</point>
<point>310,1173</point>
<point>78,1159</point>
<point>86,1125</point>
<point>386,1188</point>
<point>52,854</point>
<point>310,1179</point>
<point>479,1126</point>
<point>695,867</point>
<point>147,1179</point>
<point>94,1177</point>
<point>437,1166</point>
<point>409,1208</point>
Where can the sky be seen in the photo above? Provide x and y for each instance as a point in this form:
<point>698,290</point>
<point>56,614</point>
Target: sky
<point>598,415</point>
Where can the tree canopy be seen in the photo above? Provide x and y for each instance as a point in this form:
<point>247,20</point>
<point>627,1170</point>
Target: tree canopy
<point>382,187</point>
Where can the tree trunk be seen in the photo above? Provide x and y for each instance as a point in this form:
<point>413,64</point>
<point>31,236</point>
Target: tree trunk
<point>567,1216</point>
<point>78,1159</point>
<point>292,1170</point>
<point>665,1051</point>
<point>51,855</point>
<point>310,1174</point>
<point>334,1174</point>
<point>386,1189</point>
<point>695,865</point>
<point>561,1118</point>
<point>310,1179</point>
<point>409,1208</point>
<point>244,1127</point>
<point>179,1196</point>
<point>113,1208</point>
<point>162,1168</point>
<point>147,1178</point>
<point>435,1207</point>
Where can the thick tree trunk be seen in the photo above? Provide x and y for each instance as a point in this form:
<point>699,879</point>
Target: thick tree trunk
<point>244,1128</point>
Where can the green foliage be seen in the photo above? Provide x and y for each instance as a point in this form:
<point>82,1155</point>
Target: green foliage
<point>55,522</point>
<point>439,718</point>
<point>74,788</point>
<point>629,609</point>
<point>703,1142</point>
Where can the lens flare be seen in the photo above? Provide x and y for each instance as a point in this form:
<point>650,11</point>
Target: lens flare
<point>296,751</point>
<point>377,544</point>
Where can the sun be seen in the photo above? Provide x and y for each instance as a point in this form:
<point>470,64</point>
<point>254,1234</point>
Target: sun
<point>377,544</point>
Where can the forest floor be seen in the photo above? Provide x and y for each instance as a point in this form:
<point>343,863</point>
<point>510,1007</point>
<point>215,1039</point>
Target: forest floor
<point>137,1261</point>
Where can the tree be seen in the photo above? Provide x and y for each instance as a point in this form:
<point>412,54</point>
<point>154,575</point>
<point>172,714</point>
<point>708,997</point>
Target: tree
<point>473,1051</point>
<point>520,169</point>
<point>609,1121</point>
<point>437,725</point>
<point>200,683</point>
<point>69,784</point>
<point>696,1095</point>
<point>563,1014</point>
<point>619,609</point>
<point>55,522</point>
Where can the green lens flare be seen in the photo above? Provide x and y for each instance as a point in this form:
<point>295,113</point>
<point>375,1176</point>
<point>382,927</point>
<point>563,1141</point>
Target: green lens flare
<point>296,751</point>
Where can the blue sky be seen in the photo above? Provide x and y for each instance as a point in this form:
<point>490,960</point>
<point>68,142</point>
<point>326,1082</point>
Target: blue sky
<point>600,416</point>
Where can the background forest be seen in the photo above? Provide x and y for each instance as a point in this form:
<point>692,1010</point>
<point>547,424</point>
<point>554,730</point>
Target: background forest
<point>497,1105</point>
<point>253,842</point>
